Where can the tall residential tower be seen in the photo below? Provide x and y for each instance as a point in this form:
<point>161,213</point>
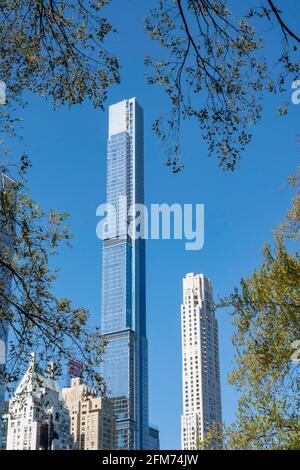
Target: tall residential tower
<point>123,320</point>
<point>201,390</point>
<point>7,237</point>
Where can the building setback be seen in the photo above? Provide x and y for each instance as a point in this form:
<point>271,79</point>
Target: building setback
<point>92,418</point>
<point>37,417</point>
<point>154,443</point>
<point>201,392</point>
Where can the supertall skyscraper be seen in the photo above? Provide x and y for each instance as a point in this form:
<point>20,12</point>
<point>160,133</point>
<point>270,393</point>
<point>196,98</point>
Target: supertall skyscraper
<point>7,236</point>
<point>123,321</point>
<point>200,361</point>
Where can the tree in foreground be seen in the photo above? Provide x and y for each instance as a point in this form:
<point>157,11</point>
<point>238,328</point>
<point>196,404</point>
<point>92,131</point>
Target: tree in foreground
<point>266,317</point>
<point>215,65</point>
<point>55,49</point>
<point>38,320</point>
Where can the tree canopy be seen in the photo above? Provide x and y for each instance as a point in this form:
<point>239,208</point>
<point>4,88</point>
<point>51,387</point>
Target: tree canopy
<point>56,49</point>
<point>266,318</point>
<point>213,65</point>
<point>214,70</point>
<point>38,320</point>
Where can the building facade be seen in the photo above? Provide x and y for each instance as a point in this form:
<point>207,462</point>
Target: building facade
<point>7,226</point>
<point>201,391</point>
<point>92,417</point>
<point>123,320</point>
<point>37,417</point>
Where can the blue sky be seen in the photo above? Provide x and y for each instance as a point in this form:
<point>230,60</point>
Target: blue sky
<point>68,150</point>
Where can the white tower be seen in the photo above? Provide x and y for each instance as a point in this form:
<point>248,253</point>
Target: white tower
<point>7,236</point>
<point>201,390</point>
<point>37,417</point>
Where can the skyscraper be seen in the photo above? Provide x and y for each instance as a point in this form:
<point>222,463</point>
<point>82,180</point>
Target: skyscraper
<point>7,231</point>
<point>201,391</point>
<point>123,320</point>
<point>153,443</point>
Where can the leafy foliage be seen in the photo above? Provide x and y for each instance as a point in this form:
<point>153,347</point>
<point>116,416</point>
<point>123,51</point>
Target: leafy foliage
<point>55,48</point>
<point>266,317</point>
<point>213,71</point>
<point>37,319</point>
<point>213,438</point>
<point>290,228</point>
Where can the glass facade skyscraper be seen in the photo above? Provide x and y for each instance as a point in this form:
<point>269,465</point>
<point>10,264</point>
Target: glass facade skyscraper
<point>123,321</point>
<point>7,204</point>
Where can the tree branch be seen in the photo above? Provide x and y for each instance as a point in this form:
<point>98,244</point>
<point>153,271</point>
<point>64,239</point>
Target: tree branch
<point>283,26</point>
